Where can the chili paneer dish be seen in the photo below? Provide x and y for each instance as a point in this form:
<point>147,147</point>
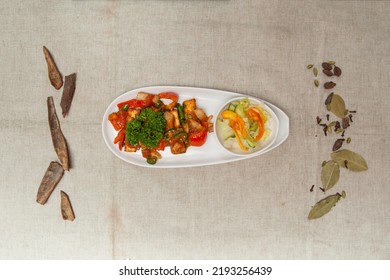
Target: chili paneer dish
<point>152,122</point>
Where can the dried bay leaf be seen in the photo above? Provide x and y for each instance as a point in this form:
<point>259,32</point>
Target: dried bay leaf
<point>337,105</point>
<point>330,129</point>
<point>330,174</point>
<point>49,181</point>
<point>55,76</point>
<point>355,162</point>
<point>66,207</point>
<point>331,125</point>
<point>57,136</point>
<point>323,206</point>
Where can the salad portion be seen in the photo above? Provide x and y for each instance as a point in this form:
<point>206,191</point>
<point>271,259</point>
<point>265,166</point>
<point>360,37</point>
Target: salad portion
<point>244,126</point>
<point>152,122</point>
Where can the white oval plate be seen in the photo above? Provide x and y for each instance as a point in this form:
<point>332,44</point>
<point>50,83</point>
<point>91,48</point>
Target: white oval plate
<point>211,101</point>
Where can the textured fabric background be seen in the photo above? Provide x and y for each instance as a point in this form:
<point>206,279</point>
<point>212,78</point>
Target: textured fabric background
<point>252,209</point>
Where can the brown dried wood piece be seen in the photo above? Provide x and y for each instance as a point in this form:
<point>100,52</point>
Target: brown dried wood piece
<point>52,176</point>
<point>66,207</point>
<point>329,85</point>
<point>345,122</point>
<point>58,138</point>
<point>329,99</point>
<point>326,66</point>
<point>337,145</point>
<point>327,72</point>
<point>337,71</point>
<point>55,76</point>
<point>67,94</point>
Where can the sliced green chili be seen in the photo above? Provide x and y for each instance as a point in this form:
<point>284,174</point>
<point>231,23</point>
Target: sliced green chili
<point>180,111</point>
<point>181,134</point>
<point>151,160</point>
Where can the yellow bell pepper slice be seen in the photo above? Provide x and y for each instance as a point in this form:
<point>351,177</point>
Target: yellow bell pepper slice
<point>238,126</point>
<point>232,116</point>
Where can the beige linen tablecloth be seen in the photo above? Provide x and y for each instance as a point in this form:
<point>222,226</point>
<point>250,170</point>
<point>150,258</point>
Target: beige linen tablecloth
<point>251,209</point>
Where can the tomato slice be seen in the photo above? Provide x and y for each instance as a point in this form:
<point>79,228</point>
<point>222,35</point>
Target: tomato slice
<point>169,95</point>
<point>197,139</point>
<point>161,146</point>
<point>254,115</point>
<point>120,139</point>
<point>137,103</point>
<point>118,119</point>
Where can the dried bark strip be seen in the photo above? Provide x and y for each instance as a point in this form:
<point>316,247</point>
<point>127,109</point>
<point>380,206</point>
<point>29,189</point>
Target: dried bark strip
<point>327,72</point>
<point>67,94</point>
<point>49,181</point>
<point>329,85</point>
<point>338,144</point>
<point>66,207</point>
<point>337,71</point>
<point>55,76</point>
<point>345,122</point>
<point>329,99</point>
<point>58,138</point>
<point>326,66</point>
<point>337,126</point>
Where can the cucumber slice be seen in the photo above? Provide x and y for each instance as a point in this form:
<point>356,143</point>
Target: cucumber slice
<point>254,126</point>
<point>240,111</point>
<point>245,103</point>
<point>250,143</point>
<point>232,107</point>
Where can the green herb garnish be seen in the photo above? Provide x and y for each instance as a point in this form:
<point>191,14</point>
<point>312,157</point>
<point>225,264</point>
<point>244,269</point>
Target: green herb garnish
<point>147,128</point>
